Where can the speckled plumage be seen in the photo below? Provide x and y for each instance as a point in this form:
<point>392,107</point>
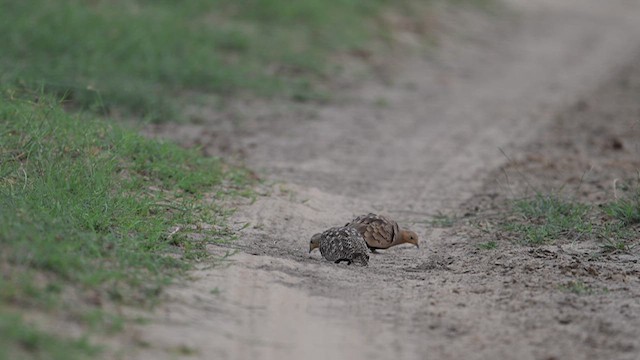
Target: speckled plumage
<point>342,244</point>
<point>380,232</point>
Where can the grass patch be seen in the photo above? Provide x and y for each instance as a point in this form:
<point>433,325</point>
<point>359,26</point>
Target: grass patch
<point>544,218</point>
<point>610,246</point>
<point>548,218</point>
<point>488,245</point>
<point>577,287</point>
<point>86,209</point>
<point>625,209</point>
<point>580,288</point>
<point>138,55</point>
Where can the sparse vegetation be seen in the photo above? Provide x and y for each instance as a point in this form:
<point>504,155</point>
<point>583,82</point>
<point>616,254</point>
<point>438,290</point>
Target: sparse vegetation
<point>550,218</point>
<point>86,209</point>
<point>442,220</point>
<point>577,287</point>
<point>488,245</point>
<point>615,246</point>
<point>625,209</point>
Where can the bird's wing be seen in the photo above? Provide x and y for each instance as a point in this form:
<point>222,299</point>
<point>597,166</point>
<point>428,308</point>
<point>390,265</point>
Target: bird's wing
<point>379,231</point>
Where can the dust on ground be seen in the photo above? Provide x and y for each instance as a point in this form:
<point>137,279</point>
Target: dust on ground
<point>551,85</point>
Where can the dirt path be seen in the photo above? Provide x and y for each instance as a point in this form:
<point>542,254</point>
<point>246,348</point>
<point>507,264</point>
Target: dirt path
<point>424,142</point>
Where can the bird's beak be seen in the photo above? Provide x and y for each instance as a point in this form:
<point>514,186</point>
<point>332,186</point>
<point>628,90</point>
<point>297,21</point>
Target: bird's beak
<point>417,246</point>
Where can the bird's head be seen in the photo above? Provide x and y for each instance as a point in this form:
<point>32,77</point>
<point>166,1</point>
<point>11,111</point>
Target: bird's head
<point>409,237</point>
<point>315,242</point>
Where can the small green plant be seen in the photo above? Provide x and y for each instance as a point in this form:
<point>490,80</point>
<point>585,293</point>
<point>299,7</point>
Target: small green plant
<point>577,287</point>
<point>615,246</point>
<point>489,245</point>
<point>184,350</point>
<point>626,209</point>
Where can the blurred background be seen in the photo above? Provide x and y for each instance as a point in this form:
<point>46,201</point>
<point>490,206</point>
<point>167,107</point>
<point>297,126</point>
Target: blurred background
<point>149,59</point>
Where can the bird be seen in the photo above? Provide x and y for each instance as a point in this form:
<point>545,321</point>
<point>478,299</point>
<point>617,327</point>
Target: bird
<point>380,232</point>
<point>340,244</point>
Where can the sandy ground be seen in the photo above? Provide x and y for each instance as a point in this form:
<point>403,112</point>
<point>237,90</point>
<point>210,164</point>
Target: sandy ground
<point>422,141</point>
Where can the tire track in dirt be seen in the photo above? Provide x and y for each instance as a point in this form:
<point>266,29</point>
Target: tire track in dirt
<point>493,84</point>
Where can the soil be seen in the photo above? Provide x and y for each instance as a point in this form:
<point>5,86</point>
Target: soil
<point>542,94</point>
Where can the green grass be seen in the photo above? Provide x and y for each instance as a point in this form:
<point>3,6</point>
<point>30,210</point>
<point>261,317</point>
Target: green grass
<point>86,209</point>
<point>488,245</point>
<point>549,218</point>
<point>140,55</point>
<point>626,209</point>
<point>610,246</point>
<point>577,287</point>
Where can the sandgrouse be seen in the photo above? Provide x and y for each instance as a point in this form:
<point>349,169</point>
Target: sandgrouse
<point>341,244</point>
<point>380,232</point>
